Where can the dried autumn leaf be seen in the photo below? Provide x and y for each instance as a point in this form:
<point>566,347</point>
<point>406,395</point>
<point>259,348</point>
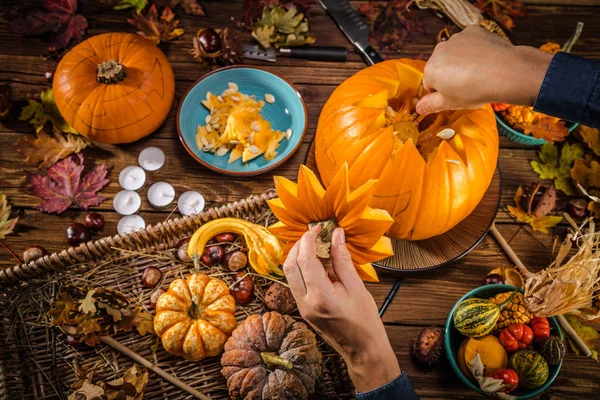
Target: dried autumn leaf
<point>190,7</point>
<point>137,5</point>
<point>591,137</point>
<point>502,10</point>
<point>88,304</point>
<point>539,224</point>
<point>46,150</point>
<point>146,324</point>
<point>6,225</point>
<point>64,185</point>
<point>155,28</point>
<point>551,166</point>
<point>279,26</point>
<point>594,209</point>
<point>58,18</point>
<point>586,172</point>
<point>87,391</point>
<point>40,113</point>
<point>589,335</point>
<point>549,128</point>
<point>5,100</point>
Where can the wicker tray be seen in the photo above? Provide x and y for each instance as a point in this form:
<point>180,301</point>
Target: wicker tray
<point>36,361</point>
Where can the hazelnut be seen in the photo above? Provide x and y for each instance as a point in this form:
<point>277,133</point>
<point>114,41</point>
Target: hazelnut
<point>242,291</point>
<point>225,237</point>
<point>235,260</point>
<point>279,298</point>
<point>182,252</point>
<point>577,208</point>
<point>151,277</point>
<point>212,255</point>
<point>154,297</point>
<point>33,253</point>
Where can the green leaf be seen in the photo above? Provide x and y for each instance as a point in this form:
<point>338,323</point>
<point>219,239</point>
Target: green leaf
<point>553,166</point>
<point>139,5</point>
<point>263,35</point>
<point>38,114</point>
<point>279,26</point>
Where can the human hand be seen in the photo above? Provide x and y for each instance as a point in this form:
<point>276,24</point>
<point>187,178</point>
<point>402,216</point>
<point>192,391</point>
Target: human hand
<point>342,312</point>
<point>476,67</point>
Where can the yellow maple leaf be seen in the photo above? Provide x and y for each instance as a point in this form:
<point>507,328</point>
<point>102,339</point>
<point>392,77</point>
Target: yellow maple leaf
<point>146,324</point>
<point>539,224</point>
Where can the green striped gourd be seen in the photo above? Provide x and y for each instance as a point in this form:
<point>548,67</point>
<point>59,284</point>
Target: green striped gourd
<point>477,317</point>
<point>531,368</point>
<point>553,350</point>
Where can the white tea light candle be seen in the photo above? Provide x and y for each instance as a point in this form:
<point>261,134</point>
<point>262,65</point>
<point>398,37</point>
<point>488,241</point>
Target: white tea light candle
<point>132,178</point>
<point>190,203</point>
<point>161,194</point>
<point>127,202</point>
<point>151,159</point>
<point>130,223</point>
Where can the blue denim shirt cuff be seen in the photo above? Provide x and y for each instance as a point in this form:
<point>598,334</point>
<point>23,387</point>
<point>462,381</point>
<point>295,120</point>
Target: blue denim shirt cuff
<point>571,90</point>
<point>399,389</point>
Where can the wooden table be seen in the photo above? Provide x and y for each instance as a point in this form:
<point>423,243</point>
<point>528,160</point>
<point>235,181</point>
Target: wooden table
<point>425,298</point>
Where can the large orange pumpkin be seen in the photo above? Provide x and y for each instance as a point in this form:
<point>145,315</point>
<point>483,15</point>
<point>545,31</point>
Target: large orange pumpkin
<point>428,183</point>
<point>114,87</point>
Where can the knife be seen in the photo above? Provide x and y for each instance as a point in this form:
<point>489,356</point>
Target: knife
<point>316,53</point>
<point>353,26</point>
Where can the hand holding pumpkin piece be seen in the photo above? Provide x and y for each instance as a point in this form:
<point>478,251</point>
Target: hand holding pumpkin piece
<point>343,312</point>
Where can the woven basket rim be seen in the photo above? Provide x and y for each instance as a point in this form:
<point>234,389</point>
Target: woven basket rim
<point>165,232</point>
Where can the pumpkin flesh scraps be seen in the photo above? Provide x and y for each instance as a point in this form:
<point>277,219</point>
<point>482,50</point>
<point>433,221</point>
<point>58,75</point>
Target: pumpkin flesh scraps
<point>307,202</point>
<point>157,28</point>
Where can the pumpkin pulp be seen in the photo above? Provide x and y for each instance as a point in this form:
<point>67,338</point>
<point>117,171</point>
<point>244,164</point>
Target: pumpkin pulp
<point>110,72</point>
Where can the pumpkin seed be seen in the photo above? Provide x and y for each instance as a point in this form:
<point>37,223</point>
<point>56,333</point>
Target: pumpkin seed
<point>453,161</point>
<point>233,86</point>
<point>255,126</point>
<point>288,134</point>
<point>221,151</point>
<point>446,133</point>
<point>269,98</point>
<point>235,98</point>
<point>253,149</point>
<point>207,119</point>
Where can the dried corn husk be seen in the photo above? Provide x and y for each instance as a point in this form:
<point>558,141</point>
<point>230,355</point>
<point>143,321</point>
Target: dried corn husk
<point>568,286</point>
<point>461,12</point>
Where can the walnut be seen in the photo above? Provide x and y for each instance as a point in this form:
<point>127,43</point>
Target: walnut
<point>279,298</point>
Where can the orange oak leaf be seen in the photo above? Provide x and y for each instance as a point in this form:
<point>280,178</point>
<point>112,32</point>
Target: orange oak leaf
<point>548,128</point>
<point>46,149</point>
<point>64,185</point>
<point>591,137</point>
<point>502,10</point>
<point>156,28</point>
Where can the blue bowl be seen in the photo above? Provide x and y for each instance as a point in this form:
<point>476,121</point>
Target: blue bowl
<point>453,339</point>
<point>287,112</point>
<point>519,137</point>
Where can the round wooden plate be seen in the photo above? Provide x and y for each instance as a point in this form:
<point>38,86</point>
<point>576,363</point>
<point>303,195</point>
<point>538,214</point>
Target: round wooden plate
<point>440,250</point>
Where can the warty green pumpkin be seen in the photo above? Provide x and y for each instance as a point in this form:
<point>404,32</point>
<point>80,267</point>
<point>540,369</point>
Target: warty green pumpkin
<point>477,317</point>
<point>553,350</point>
<point>531,368</point>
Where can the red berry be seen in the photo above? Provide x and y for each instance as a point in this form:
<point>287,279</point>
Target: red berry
<point>78,233</point>
<point>209,40</point>
<point>94,221</point>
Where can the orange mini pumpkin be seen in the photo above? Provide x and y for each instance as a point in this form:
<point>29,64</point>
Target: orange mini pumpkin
<point>195,317</point>
<point>114,87</point>
<point>431,175</point>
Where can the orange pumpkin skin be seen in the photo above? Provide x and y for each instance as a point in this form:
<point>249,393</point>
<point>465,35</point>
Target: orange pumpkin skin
<point>425,196</point>
<point>119,112</point>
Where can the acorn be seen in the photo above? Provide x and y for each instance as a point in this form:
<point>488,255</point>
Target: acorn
<point>428,346</point>
<point>538,200</point>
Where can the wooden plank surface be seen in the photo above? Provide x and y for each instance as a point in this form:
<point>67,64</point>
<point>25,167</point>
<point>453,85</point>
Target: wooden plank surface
<point>22,67</point>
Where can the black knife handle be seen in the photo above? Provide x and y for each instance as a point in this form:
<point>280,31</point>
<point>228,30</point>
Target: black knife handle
<point>371,56</point>
<point>316,53</point>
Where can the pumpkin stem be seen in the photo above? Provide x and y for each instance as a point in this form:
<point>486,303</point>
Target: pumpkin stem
<point>505,302</point>
<point>195,312</point>
<point>110,72</point>
<point>273,361</point>
<point>324,238</point>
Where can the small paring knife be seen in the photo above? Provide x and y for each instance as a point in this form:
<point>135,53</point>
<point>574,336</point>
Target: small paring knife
<point>315,53</point>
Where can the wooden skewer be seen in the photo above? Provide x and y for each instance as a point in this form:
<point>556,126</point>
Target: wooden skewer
<point>585,350</point>
<point>158,371</point>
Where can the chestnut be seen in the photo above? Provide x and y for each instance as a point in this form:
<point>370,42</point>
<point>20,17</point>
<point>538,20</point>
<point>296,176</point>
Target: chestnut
<point>225,237</point>
<point>212,255</point>
<point>235,260</point>
<point>151,277</point>
<point>182,252</point>
<point>577,208</point>
<point>154,297</point>
<point>242,291</point>
<point>493,279</point>
<point>209,39</point>
<point>33,253</point>
<point>279,298</point>
<point>78,233</point>
<point>94,221</point>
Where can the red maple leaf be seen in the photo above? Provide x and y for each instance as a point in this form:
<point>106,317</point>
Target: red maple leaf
<point>64,185</point>
<point>58,18</point>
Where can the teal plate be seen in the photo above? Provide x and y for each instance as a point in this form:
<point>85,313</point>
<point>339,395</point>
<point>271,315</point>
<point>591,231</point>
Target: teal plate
<point>453,339</point>
<point>519,137</point>
<point>287,112</point>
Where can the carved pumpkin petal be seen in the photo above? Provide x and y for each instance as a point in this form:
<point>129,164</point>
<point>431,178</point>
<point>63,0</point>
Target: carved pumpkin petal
<point>356,202</point>
<point>367,272</point>
<point>338,189</point>
<point>284,215</point>
<point>379,221</point>
<point>312,194</point>
<point>382,249</point>
<point>289,232</point>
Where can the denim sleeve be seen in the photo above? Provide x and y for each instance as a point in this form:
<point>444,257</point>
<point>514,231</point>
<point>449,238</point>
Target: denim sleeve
<point>571,90</point>
<point>398,389</point>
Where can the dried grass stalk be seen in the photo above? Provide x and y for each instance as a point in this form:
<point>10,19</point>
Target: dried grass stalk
<point>568,286</point>
<point>461,12</point>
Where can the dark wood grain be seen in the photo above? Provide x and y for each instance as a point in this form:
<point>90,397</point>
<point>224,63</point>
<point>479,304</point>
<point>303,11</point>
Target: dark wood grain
<point>22,67</point>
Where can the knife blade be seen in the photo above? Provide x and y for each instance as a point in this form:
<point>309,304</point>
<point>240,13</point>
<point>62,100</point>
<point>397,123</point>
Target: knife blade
<point>352,25</point>
<point>315,53</point>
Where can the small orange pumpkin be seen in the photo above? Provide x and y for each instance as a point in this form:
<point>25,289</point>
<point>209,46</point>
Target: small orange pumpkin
<point>431,175</point>
<point>114,87</point>
<point>307,202</point>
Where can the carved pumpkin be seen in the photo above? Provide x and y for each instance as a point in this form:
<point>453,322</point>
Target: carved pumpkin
<point>428,183</point>
<point>307,202</point>
<point>114,87</point>
<point>271,357</point>
<point>195,317</point>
